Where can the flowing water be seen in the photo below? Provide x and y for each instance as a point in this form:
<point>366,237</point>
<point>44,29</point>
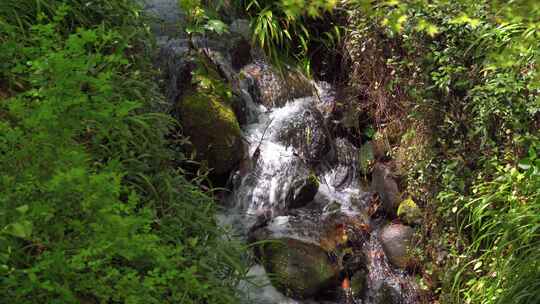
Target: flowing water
<point>287,143</point>
<point>260,192</point>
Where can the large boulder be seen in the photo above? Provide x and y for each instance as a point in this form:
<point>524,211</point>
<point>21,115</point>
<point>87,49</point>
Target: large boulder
<point>396,241</point>
<point>384,183</point>
<point>213,130</point>
<point>298,269</point>
<point>272,88</point>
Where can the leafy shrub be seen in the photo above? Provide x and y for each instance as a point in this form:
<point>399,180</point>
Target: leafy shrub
<point>288,30</point>
<point>92,208</point>
<point>470,73</point>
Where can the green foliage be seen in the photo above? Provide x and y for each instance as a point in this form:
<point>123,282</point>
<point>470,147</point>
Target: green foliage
<point>199,18</point>
<point>290,29</point>
<point>92,208</point>
<point>471,70</point>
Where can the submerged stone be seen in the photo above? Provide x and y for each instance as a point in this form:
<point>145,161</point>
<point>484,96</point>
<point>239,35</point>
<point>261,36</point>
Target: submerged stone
<point>386,294</point>
<point>302,192</point>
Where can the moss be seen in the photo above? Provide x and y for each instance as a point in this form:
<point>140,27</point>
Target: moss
<point>409,212</point>
<point>312,179</point>
<point>213,130</point>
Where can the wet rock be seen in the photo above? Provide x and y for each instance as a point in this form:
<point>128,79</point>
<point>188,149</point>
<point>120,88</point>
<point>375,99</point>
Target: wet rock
<point>175,66</point>
<point>341,231</point>
<point>306,133</point>
<point>334,236</point>
<point>409,212</point>
<point>240,110</point>
<point>354,264</point>
<point>359,283</point>
<point>345,171</point>
<point>396,241</point>
<point>383,182</point>
<point>271,89</point>
<point>299,270</point>
<point>302,192</point>
<point>213,130</point>
<point>240,54</point>
<point>386,294</point>
<point>333,233</point>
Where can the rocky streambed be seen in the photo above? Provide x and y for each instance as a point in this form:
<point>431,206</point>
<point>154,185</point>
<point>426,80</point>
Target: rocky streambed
<point>318,235</point>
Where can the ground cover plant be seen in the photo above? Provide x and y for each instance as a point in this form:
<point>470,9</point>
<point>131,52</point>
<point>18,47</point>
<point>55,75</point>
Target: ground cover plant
<point>94,205</point>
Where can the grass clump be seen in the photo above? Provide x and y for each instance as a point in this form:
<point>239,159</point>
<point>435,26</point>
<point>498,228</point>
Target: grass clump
<point>94,207</point>
<point>293,31</point>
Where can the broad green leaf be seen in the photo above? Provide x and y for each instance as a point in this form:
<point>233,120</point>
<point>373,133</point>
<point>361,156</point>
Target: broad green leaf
<point>22,229</point>
<point>216,26</point>
<point>22,209</point>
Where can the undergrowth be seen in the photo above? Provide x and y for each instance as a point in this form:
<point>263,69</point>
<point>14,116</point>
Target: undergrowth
<point>292,32</point>
<point>467,72</point>
<point>94,207</point>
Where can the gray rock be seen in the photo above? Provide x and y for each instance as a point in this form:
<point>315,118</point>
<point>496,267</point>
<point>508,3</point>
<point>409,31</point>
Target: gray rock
<point>169,17</point>
<point>241,27</point>
<point>396,241</point>
<point>386,294</point>
<point>384,183</point>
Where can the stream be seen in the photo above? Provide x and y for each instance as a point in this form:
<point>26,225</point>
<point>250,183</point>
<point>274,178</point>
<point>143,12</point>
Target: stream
<point>297,184</point>
<point>286,157</point>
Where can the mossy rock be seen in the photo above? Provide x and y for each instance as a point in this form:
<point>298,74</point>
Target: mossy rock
<point>298,269</point>
<point>409,212</point>
<point>359,283</point>
<point>213,130</point>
